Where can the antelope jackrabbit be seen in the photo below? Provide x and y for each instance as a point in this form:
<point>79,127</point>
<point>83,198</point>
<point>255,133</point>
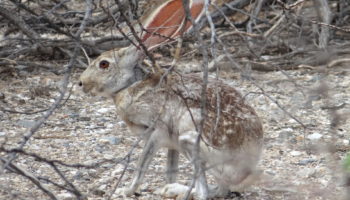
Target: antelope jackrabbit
<point>165,110</point>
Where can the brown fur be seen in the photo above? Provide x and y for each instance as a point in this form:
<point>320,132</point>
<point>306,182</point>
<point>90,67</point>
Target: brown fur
<point>235,122</point>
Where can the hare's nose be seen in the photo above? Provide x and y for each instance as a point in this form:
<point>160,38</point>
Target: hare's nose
<point>80,83</point>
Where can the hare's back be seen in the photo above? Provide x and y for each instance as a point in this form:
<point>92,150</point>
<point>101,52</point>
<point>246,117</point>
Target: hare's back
<point>230,121</point>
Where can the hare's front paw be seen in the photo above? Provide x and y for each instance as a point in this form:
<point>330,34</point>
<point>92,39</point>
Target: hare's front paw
<point>216,191</point>
<point>174,190</point>
<point>126,192</point>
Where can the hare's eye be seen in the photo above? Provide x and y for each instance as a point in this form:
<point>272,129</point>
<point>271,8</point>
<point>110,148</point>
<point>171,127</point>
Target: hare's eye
<point>104,64</point>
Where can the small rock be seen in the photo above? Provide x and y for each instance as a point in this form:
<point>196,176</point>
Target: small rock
<point>103,141</point>
<point>93,173</point>
<point>66,144</point>
<point>295,153</point>
<point>66,196</point>
<point>74,115</point>
<point>306,173</point>
<point>2,96</point>
<point>39,91</point>
<point>172,190</point>
<point>272,173</point>
<point>84,118</point>
<point>327,137</point>
<point>24,68</point>
<point>285,134</point>
<point>121,124</point>
<point>118,171</point>
<point>299,138</point>
<point>345,142</point>
<point>26,123</point>
<point>110,126</point>
<point>100,148</point>
<point>324,182</point>
<point>145,187</point>
<point>108,157</point>
<point>100,191</point>
<point>2,134</point>
<point>306,161</point>
<point>103,110</point>
<point>78,175</point>
<point>287,130</point>
<point>110,140</point>
<point>314,136</point>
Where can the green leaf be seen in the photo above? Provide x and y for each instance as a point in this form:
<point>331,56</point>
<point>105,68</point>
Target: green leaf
<point>347,163</point>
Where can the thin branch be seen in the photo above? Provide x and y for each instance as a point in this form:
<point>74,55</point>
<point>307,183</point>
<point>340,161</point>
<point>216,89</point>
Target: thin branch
<point>205,62</point>
<point>13,167</point>
<point>134,33</point>
<point>51,162</point>
<point>56,104</point>
<point>19,22</point>
<point>74,190</point>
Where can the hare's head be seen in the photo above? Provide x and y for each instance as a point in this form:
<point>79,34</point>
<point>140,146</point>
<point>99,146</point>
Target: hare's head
<point>117,69</point>
<point>111,72</point>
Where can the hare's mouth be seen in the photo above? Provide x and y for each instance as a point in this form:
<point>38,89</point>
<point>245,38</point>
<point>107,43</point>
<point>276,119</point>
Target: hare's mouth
<point>94,91</point>
<point>88,89</point>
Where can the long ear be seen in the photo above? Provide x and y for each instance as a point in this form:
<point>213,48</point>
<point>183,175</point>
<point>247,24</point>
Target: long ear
<point>167,21</point>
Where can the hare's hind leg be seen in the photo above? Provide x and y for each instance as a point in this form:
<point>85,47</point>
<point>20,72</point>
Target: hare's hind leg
<point>172,165</point>
<point>201,180</point>
<point>178,191</point>
<point>188,145</point>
